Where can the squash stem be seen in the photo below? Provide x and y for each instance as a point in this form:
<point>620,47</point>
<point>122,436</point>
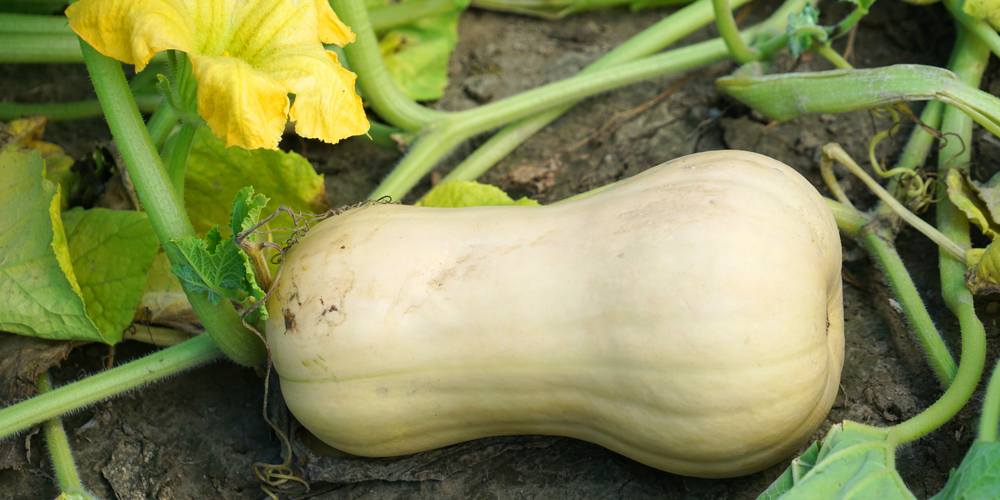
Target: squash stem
<point>986,33</point>
<point>179,155</point>
<point>451,129</point>
<point>60,452</point>
<point>188,354</point>
<point>374,82</point>
<point>990,418</point>
<point>650,41</point>
<point>849,219</point>
<point>969,59</point>
<point>877,238</point>
<point>161,123</point>
<point>395,14</point>
<point>834,152</point>
<point>162,203</point>
<point>729,33</point>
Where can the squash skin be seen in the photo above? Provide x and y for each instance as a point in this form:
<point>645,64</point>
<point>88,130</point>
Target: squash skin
<point>690,318</point>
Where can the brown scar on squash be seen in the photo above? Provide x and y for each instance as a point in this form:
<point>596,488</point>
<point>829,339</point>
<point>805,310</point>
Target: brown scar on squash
<point>289,320</point>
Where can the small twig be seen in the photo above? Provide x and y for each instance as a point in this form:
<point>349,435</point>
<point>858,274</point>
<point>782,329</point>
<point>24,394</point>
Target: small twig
<point>849,50</point>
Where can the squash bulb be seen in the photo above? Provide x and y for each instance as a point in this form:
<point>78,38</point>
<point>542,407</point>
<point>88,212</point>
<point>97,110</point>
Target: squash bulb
<point>689,317</point>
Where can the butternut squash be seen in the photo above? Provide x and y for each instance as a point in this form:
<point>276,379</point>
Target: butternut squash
<point>689,317</point>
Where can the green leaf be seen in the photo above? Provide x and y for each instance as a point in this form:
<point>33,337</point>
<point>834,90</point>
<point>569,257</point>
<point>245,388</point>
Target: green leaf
<point>417,53</point>
<point>980,203</point>
<point>213,266</point>
<point>851,463</point>
<point>217,266</point>
<point>215,174</point>
<point>246,213</point>
<point>246,210</point>
<point>111,251</point>
<point>977,477</point>
<point>469,194</point>
<point>39,298</point>
<point>793,473</point>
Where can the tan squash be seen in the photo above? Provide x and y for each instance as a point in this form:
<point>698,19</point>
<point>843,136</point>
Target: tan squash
<point>689,317</point>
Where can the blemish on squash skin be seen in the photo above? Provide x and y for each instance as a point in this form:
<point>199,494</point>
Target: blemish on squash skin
<point>289,320</point>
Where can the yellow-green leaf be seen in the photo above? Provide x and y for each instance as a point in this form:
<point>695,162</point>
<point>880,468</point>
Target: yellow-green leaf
<point>216,173</point>
<point>39,298</point>
<point>966,195</point>
<point>469,194</point>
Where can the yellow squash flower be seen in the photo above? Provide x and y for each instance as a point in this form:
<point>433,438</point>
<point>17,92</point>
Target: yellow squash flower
<point>247,56</point>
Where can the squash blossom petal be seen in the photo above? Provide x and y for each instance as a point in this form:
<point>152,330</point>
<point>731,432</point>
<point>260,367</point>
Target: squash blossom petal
<point>247,56</point>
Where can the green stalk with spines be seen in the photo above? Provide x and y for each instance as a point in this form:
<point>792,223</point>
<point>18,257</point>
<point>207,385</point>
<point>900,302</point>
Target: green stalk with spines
<point>878,237</point>
<point>60,452</point>
<point>161,201</point>
<point>107,384</point>
<point>968,62</point>
<point>787,96</point>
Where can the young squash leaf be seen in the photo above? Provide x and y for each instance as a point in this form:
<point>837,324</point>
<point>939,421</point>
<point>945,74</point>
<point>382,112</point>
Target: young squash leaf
<point>977,477</point>
<point>853,462</point>
<point>469,194</point>
<point>216,266</point>
<point>800,29</point>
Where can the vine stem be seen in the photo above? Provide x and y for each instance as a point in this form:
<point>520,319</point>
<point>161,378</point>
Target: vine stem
<point>179,155</point>
<point>60,452</point>
<point>450,130</point>
<point>651,40</point>
<point>877,238</point>
<point>969,59</point>
<point>456,127</point>
<point>849,219</point>
<point>990,418</point>
<point>161,123</point>
<point>161,201</point>
<point>65,111</point>
<point>188,354</point>
<point>834,152</point>
<point>986,33</point>
<point>726,24</point>
<point>880,235</point>
<point>374,82</point>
